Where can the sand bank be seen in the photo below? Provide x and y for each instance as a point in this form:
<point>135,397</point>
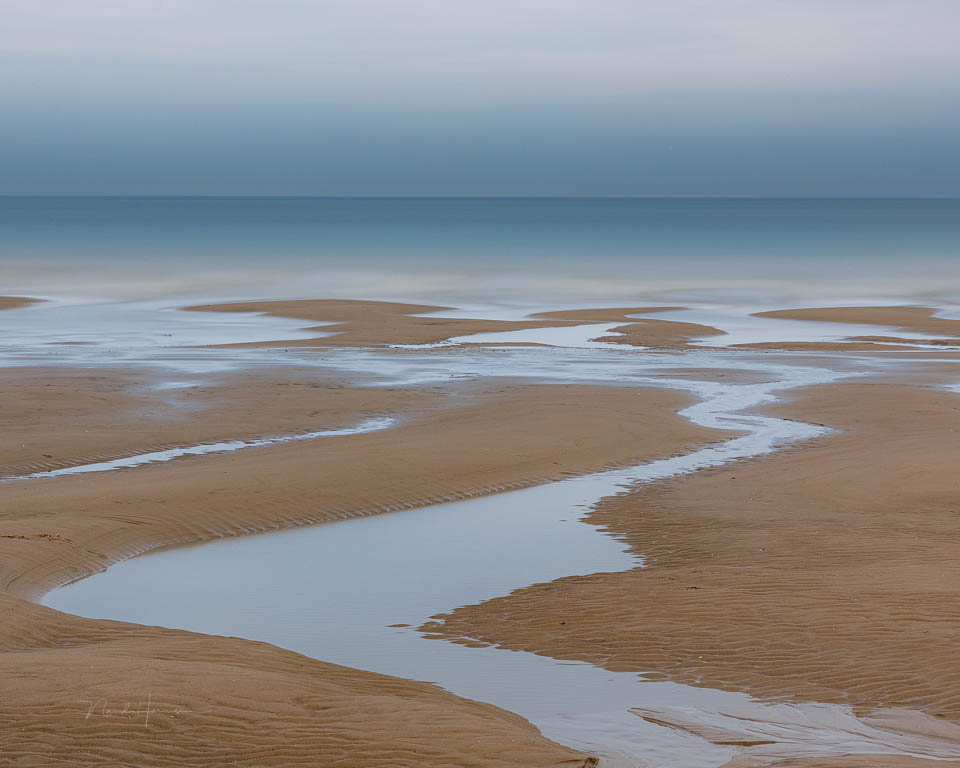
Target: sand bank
<point>919,320</point>
<point>369,323</point>
<point>380,323</point>
<point>15,302</point>
<point>98,692</point>
<point>822,573</point>
<point>644,332</point>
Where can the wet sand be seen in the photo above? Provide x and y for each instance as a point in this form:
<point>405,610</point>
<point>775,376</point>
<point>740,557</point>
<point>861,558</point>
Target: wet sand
<point>910,319</point>
<point>15,302</point>
<point>858,345</point>
<point>68,416</point>
<point>854,761</point>
<point>826,572</point>
<point>89,693</point>
<point>495,437</point>
<point>380,323</point>
<point>368,323</point>
<point>653,333</point>
<point>821,573</point>
<point>105,693</point>
<point>918,320</point>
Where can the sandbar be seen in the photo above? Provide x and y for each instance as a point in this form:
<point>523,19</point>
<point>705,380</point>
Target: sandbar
<point>910,319</point>
<point>15,302</point>
<point>381,323</point>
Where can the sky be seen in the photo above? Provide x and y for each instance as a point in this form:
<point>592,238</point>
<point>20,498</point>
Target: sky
<point>463,97</point>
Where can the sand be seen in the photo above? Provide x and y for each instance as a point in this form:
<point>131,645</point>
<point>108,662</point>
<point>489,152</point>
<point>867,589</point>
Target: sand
<point>919,320</point>
<point>82,692</point>
<point>909,319</point>
<point>380,323</point>
<point>855,345</point>
<point>490,437</point>
<point>653,333</point>
<point>367,323</point>
<point>78,692</point>
<point>826,572</point>
<point>15,302</point>
<point>856,761</point>
<point>68,416</point>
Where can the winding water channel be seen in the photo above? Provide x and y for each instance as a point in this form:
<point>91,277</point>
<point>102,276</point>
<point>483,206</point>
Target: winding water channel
<point>354,592</point>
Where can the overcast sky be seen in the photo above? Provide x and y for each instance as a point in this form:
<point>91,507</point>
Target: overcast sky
<point>411,97</point>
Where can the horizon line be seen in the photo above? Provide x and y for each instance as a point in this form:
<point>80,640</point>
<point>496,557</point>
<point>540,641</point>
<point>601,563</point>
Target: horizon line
<point>471,197</point>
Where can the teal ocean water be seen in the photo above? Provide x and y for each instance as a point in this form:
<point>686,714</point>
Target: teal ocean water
<point>526,251</point>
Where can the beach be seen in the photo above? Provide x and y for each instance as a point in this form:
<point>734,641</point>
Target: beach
<point>76,686</point>
<point>13,302</point>
<point>820,574</point>
<point>353,323</point>
<point>480,385</point>
<point>647,531</point>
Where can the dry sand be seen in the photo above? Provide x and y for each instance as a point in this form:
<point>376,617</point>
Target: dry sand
<point>827,572</point>
<point>81,692</point>
<point>379,323</point>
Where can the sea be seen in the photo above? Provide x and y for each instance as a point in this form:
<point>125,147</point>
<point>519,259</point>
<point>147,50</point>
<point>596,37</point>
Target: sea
<point>523,252</point>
